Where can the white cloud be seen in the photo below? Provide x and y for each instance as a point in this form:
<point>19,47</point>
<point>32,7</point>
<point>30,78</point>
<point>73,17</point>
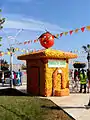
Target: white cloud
<point>33,25</point>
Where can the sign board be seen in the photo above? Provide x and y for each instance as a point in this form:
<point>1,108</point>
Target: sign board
<point>56,63</point>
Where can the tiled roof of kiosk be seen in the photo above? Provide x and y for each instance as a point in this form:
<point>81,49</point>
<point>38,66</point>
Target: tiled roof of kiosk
<point>47,53</point>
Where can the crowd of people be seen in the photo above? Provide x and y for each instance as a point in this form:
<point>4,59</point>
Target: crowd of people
<point>81,76</point>
<point>16,78</point>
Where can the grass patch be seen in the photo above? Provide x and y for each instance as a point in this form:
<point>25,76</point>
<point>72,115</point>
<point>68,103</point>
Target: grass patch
<point>29,108</point>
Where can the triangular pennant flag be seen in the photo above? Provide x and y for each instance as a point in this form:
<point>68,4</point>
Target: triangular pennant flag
<point>57,35</point>
<point>28,41</point>
<point>61,34</point>
<point>35,41</point>
<point>71,32</point>
<point>65,33</point>
<point>82,29</point>
<point>88,27</point>
<point>25,42</point>
<point>76,30</point>
<point>8,53</point>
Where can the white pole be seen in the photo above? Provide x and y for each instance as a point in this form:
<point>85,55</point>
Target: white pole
<point>11,69</point>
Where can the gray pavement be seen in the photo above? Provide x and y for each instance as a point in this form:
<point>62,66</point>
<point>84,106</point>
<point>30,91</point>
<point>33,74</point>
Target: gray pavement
<point>74,105</point>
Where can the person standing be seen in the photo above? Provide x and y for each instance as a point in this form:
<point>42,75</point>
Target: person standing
<point>83,80</point>
<point>76,80</point>
<point>2,79</point>
<point>20,74</point>
<point>18,78</point>
<point>88,77</point>
<point>14,80</point>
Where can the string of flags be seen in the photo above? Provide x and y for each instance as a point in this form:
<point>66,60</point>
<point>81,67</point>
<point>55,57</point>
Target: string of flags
<point>82,29</point>
<point>77,51</point>
<point>29,50</point>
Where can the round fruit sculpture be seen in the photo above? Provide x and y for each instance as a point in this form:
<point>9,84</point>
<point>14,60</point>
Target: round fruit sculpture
<point>47,40</point>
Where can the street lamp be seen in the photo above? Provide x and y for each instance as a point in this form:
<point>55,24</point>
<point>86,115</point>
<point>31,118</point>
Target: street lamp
<point>11,50</point>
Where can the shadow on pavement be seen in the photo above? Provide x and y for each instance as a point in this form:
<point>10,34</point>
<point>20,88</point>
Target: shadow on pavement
<point>12,92</point>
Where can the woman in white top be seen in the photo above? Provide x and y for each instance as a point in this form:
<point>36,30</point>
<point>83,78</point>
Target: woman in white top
<point>2,78</point>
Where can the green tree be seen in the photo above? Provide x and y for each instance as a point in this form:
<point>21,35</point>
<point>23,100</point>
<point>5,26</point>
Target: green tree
<point>23,67</point>
<point>87,50</point>
<point>4,65</point>
<point>2,20</point>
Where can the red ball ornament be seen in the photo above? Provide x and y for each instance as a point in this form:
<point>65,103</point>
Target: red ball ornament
<point>47,40</point>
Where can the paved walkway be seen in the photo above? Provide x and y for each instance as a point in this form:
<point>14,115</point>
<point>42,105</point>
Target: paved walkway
<point>74,105</point>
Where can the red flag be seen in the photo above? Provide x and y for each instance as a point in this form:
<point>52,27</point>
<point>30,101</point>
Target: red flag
<point>25,42</point>
<point>35,41</point>
<point>71,32</point>
<point>61,34</point>
<point>82,29</point>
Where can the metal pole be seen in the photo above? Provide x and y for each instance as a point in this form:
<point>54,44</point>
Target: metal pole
<point>11,69</point>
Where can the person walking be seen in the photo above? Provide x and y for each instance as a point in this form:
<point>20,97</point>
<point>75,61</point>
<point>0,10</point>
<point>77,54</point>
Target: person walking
<point>83,80</point>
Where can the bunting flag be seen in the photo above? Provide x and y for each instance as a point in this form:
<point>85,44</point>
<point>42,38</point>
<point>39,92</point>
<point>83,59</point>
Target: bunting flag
<point>82,29</point>
<point>71,32</point>
<point>65,33</point>
<point>61,34</point>
<point>76,30</point>
<point>88,27</point>
<point>57,35</point>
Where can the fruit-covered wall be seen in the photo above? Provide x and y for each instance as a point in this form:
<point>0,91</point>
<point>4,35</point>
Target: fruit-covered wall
<point>56,82</point>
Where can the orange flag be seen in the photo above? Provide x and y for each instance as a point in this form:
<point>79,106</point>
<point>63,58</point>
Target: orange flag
<point>76,30</point>
<point>82,29</point>
<point>71,32</point>
<point>88,27</point>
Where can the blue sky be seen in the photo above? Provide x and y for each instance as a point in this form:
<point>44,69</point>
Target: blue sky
<point>34,16</point>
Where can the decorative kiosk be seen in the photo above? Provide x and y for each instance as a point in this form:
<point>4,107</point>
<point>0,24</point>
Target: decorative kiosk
<point>47,72</point>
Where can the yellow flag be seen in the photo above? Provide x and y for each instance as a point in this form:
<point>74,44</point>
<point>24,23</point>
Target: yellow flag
<point>57,35</point>
<point>76,30</point>
<point>8,53</point>
<point>65,33</point>
<point>88,27</point>
<point>16,49</point>
<point>2,53</point>
<point>22,51</point>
